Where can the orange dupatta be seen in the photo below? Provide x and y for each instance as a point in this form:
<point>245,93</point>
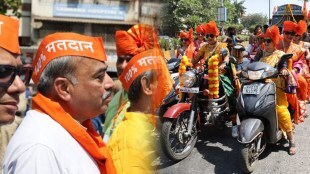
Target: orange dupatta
<point>89,139</point>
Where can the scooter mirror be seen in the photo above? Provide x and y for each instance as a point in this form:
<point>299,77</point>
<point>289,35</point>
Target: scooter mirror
<point>286,56</point>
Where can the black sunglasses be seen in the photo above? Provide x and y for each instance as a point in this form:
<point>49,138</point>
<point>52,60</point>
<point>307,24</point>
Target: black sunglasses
<point>210,35</point>
<point>8,74</point>
<point>292,33</point>
<point>268,40</point>
<point>184,39</point>
<point>200,34</point>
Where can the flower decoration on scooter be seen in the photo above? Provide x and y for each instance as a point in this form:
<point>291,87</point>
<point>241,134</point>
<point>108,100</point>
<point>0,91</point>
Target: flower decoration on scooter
<point>213,74</point>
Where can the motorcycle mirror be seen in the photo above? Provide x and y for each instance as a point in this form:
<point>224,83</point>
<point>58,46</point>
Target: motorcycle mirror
<point>223,52</point>
<point>233,60</point>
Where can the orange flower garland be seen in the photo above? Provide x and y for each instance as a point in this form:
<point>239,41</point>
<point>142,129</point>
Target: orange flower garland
<point>213,73</point>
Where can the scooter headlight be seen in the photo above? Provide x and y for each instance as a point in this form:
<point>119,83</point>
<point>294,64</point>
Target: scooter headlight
<point>188,79</point>
<point>255,75</point>
<point>269,73</point>
<point>244,74</point>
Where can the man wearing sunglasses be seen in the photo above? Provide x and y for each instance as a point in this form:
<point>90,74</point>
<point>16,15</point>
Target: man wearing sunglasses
<point>287,45</point>
<point>12,76</point>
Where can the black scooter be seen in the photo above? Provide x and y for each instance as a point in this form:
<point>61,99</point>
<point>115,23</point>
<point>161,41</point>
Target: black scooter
<point>256,106</point>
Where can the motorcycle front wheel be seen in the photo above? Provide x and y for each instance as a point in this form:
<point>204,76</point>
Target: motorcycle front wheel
<point>250,153</point>
<point>175,142</point>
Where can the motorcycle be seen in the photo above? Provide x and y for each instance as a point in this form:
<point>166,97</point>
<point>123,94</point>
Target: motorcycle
<point>172,97</point>
<point>256,108</point>
<point>184,120</point>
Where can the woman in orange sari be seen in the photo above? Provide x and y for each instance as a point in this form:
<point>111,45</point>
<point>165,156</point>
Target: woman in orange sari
<point>272,57</point>
<point>188,48</point>
<point>303,89</point>
<point>294,66</point>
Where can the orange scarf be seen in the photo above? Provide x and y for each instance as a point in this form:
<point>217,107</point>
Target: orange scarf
<point>89,139</point>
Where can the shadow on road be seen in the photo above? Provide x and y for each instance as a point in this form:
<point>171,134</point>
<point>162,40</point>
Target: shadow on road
<point>220,149</point>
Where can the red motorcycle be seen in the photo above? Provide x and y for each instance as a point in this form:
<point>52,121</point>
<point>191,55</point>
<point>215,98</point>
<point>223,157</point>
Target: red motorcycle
<point>184,120</point>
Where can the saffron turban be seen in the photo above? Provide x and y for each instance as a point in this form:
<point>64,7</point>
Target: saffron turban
<point>9,34</point>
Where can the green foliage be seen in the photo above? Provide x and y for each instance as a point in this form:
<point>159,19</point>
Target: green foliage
<point>169,44</point>
<point>13,5</point>
<point>240,10</point>
<point>239,27</point>
<point>254,19</point>
<point>244,37</point>
<point>185,14</point>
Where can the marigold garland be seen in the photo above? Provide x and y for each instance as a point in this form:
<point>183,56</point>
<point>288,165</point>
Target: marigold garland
<point>185,62</point>
<point>213,73</point>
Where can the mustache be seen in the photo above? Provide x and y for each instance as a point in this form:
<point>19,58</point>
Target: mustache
<point>106,95</point>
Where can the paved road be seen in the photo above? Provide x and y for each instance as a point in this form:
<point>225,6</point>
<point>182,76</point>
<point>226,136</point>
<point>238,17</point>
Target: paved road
<point>217,152</point>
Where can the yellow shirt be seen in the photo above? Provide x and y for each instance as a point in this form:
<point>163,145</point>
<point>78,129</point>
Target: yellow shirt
<point>132,144</point>
<point>206,52</point>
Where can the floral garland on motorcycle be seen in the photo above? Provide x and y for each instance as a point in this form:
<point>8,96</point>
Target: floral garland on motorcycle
<point>185,62</point>
<point>213,74</point>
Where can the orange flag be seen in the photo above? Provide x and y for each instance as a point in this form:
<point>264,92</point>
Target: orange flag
<point>304,10</point>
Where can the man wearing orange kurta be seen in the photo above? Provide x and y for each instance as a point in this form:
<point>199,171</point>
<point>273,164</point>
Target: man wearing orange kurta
<point>57,135</point>
<point>287,45</point>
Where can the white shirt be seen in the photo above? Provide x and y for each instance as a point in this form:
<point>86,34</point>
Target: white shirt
<point>42,146</point>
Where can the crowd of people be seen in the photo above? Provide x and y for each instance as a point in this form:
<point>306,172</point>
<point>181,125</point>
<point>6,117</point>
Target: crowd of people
<point>70,73</point>
<point>266,44</point>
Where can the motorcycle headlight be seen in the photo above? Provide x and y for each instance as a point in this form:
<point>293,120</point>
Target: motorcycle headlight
<point>188,79</point>
<point>255,75</point>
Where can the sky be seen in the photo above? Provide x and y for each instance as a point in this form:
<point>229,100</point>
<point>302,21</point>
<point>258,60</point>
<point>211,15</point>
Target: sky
<point>262,6</point>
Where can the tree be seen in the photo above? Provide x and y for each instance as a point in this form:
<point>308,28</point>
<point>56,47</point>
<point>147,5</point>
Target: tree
<point>184,14</point>
<point>240,10</point>
<point>254,19</point>
<point>13,5</point>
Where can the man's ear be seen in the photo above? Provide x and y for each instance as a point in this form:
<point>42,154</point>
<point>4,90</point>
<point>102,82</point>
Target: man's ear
<point>62,88</point>
<point>146,86</point>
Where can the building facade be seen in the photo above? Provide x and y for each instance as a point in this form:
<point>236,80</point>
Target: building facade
<point>89,17</point>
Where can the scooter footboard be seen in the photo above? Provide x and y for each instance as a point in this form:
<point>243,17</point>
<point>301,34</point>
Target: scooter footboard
<point>249,129</point>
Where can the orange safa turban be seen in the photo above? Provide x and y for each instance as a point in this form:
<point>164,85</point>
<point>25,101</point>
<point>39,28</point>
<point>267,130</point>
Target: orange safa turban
<point>199,29</point>
<point>274,33</point>
<point>289,26</point>
<point>189,35</point>
<point>211,28</point>
<point>301,27</point>
<point>9,34</point>
<point>145,61</point>
<point>137,39</point>
<point>66,44</point>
